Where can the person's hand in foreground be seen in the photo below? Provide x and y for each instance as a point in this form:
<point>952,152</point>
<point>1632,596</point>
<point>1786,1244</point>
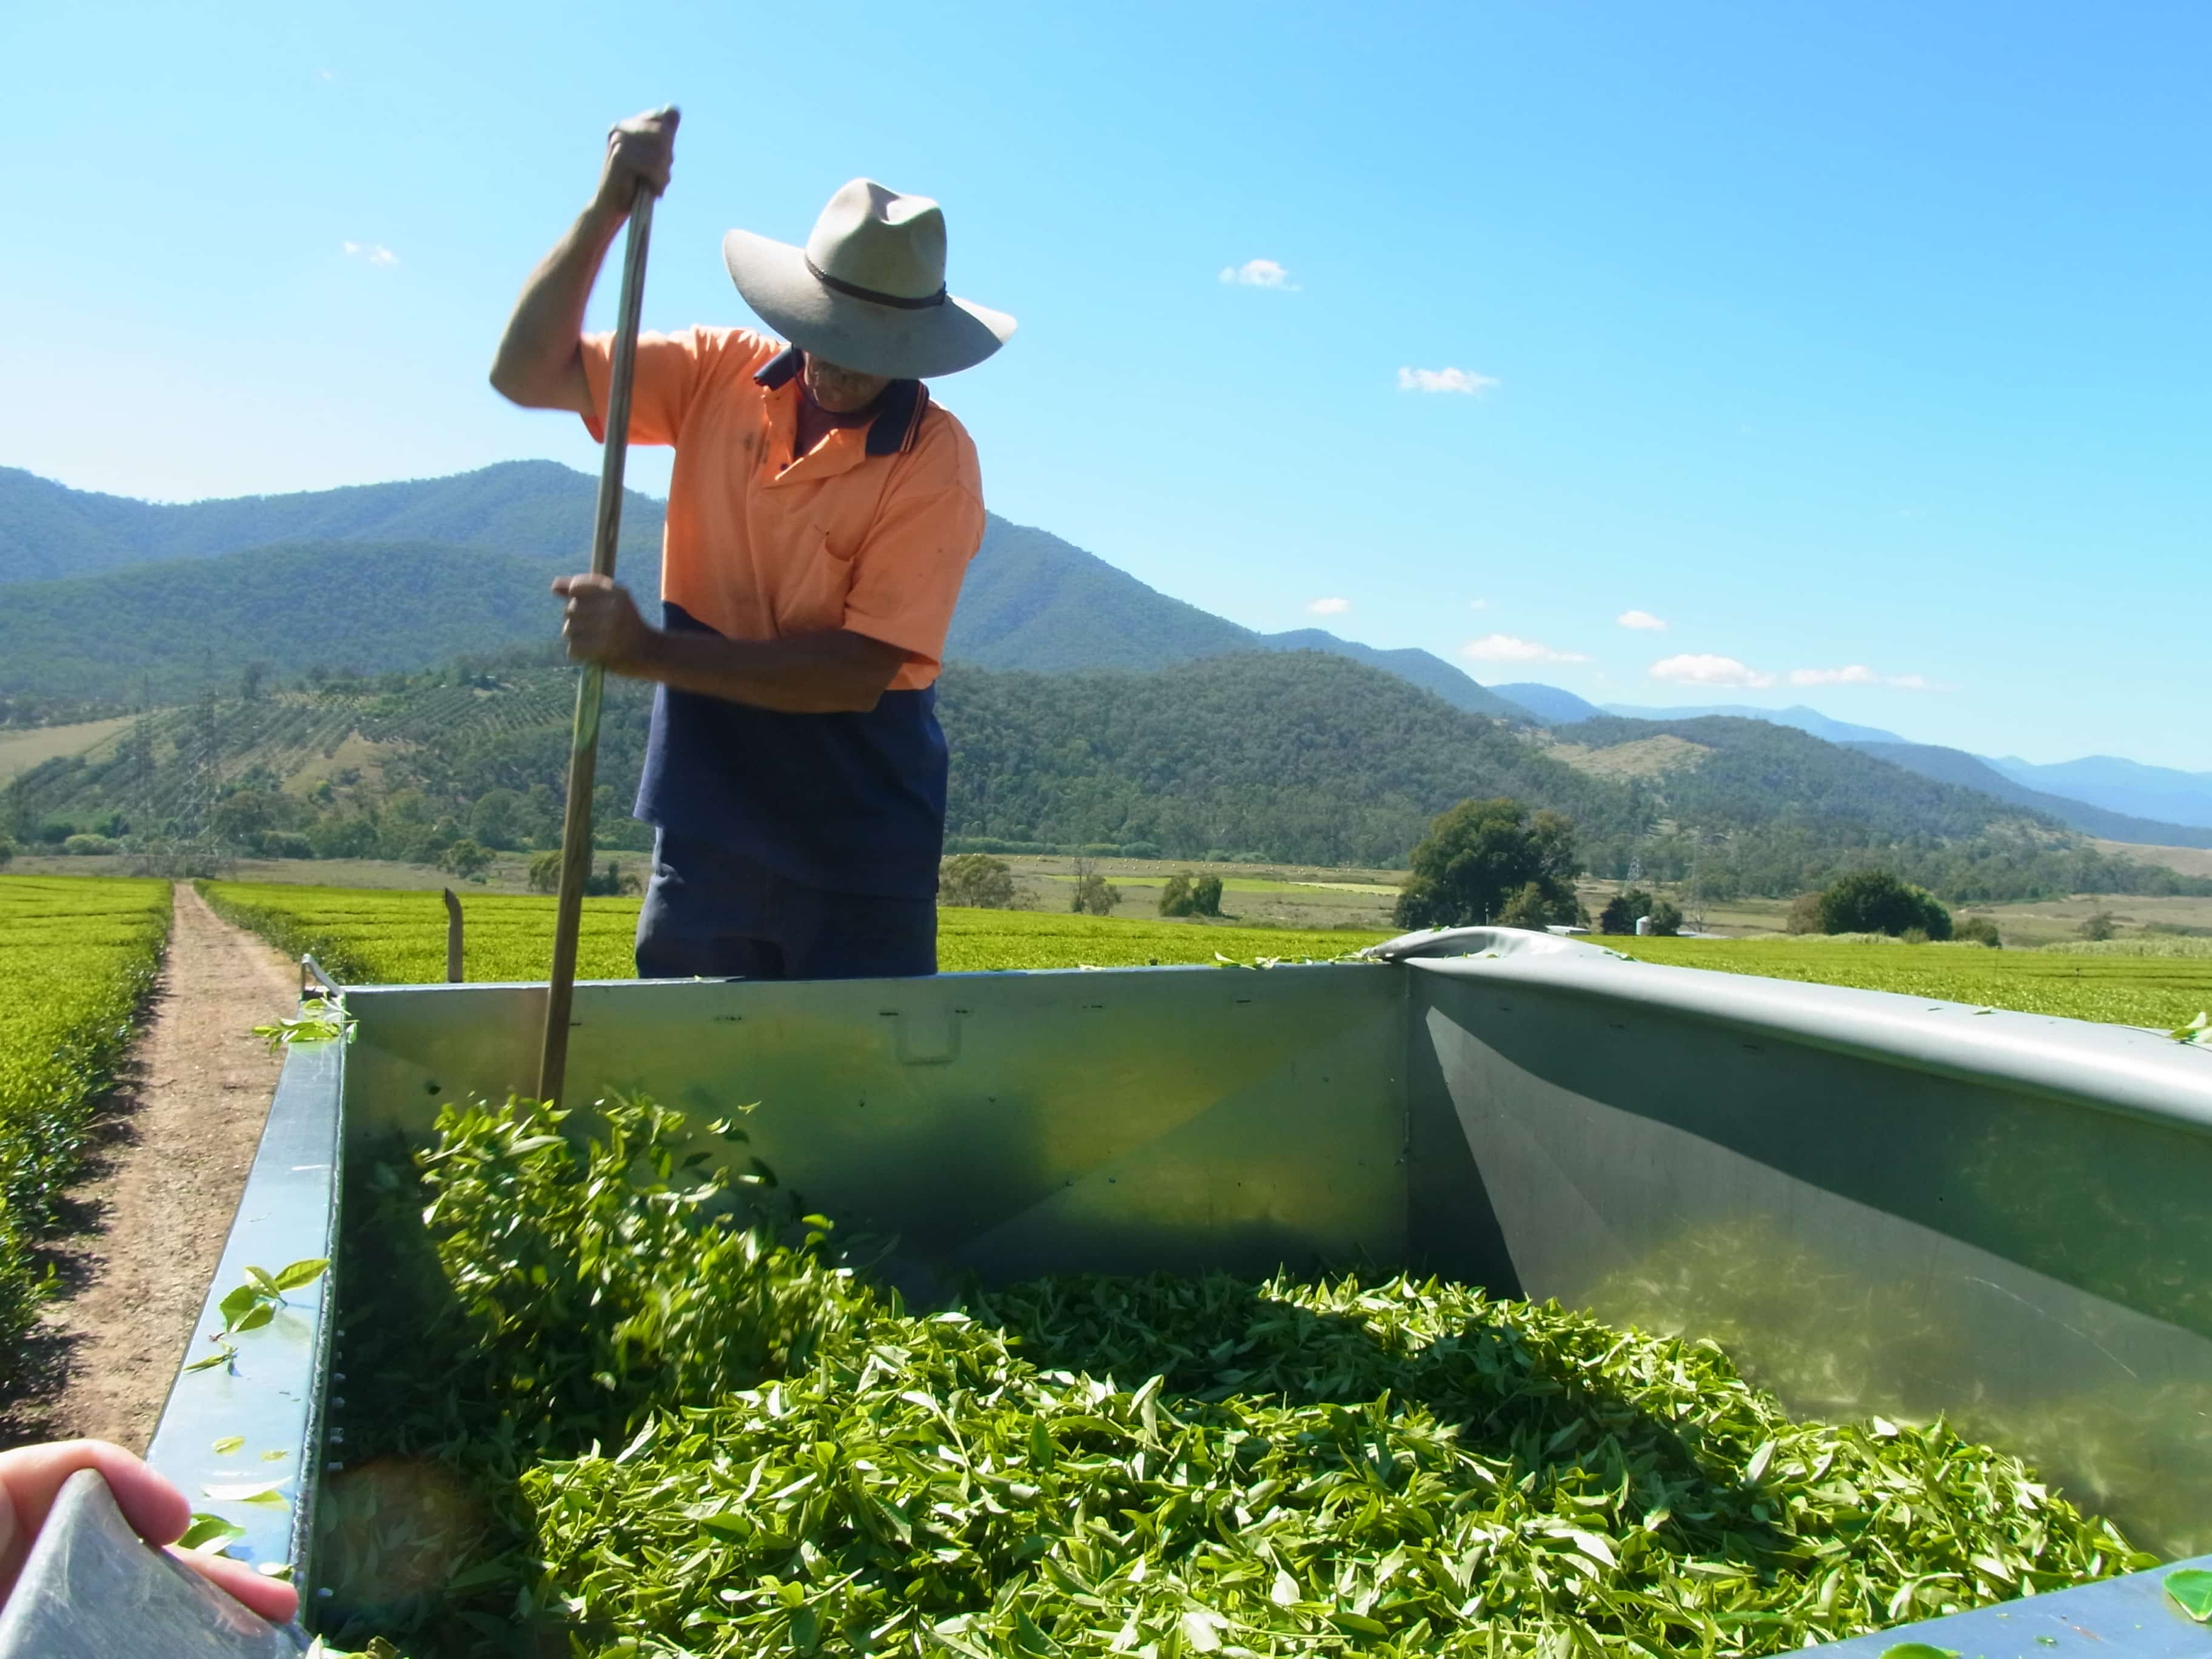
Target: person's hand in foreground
<point>31,1479</point>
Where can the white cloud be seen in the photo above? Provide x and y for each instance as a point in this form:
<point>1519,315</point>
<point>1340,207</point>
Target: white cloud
<point>1477,605</point>
<point>1858,673</point>
<point>1702,669</point>
<point>1260,273</point>
<point>1447,380</point>
<point>1506,648</point>
<point>1329,607</point>
<point>375,253</point>
<point>1643,619</point>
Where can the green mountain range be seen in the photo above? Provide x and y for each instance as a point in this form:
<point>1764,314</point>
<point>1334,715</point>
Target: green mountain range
<point>80,575</point>
<point>1086,708</point>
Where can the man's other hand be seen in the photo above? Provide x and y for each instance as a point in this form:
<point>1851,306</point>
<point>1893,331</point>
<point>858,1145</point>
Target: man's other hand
<point>640,151</point>
<point>31,1479</point>
<point>601,624</point>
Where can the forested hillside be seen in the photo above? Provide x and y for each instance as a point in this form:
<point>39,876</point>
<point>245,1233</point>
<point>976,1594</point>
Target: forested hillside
<point>1296,758</point>
<point>531,509</point>
<point>167,632</point>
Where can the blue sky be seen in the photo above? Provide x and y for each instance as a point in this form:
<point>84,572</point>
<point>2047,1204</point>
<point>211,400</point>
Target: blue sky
<point>1863,344</point>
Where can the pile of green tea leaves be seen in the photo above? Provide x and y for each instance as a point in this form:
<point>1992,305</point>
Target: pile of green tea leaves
<point>678,1423</point>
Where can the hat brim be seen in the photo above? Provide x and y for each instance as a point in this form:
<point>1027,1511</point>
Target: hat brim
<point>861,334</point>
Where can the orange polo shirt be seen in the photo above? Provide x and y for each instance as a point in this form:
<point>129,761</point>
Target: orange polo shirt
<point>870,532</point>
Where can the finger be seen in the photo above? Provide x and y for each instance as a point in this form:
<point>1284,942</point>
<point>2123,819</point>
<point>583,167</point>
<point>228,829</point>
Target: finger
<point>31,1477</point>
<point>272,1598</point>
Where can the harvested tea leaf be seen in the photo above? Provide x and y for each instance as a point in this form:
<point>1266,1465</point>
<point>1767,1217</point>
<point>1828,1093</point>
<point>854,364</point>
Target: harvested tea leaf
<point>209,1533</point>
<point>2192,1590</point>
<point>229,1444</point>
<point>674,1422</point>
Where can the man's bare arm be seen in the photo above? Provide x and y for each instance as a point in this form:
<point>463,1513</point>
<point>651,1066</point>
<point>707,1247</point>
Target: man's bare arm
<point>540,362</point>
<point>833,673</point>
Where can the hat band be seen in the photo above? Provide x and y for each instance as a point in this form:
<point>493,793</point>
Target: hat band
<point>855,291</point>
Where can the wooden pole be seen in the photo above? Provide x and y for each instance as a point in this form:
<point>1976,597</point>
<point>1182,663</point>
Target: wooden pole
<point>584,740</point>
<point>452,938</point>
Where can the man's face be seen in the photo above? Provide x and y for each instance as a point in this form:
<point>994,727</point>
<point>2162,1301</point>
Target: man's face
<point>840,391</point>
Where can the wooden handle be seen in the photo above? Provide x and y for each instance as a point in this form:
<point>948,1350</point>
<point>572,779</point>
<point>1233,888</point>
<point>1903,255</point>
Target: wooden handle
<point>584,736</point>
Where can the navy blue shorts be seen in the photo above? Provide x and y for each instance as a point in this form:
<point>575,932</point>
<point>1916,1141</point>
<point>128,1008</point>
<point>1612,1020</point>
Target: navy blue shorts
<point>712,913</point>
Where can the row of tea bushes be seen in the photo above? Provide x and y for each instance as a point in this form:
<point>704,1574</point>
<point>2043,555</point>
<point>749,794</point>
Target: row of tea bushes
<point>78,958</point>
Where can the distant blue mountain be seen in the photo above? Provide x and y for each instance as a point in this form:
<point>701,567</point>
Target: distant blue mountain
<point>1804,719</point>
<point>1548,703</point>
<point>1971,772</point>
<point>2119,785</point>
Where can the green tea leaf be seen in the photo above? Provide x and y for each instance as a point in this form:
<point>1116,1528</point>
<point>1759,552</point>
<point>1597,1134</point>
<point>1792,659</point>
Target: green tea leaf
<point>300,1275</point>
<point>229,1444</point>
<point>209,1533</point>
<point>2192,1590</point>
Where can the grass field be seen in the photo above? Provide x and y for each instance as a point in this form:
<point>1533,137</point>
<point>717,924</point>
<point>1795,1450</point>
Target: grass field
<point>76,957</point>
<point>34,745</point>
<point>367,937</point>
<point>2115,987</point>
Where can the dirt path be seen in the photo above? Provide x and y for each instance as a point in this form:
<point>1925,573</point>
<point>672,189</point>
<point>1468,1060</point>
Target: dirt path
<point>178,1140</point>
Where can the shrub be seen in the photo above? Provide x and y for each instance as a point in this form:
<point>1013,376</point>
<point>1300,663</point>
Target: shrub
<point>1622,910</point>
<point>1666,917</point>
<point>465,858</point>
<point>7,852</point>
<point>1804,914</point>
<point>2096,929</point>
<point>87,845</point>
<point>1530,908</point>
<point>545,872</point>
<point>1914,936</point>
<point>606,884</point>
<point>1205,895</point>
<point>976,881</point>
<point>1978,930</point>
<point>286,844</point>
<point>1175,896</point>
<point>1876,902</point>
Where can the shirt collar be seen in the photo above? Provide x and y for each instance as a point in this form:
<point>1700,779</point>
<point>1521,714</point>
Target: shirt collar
<point>898,419</point>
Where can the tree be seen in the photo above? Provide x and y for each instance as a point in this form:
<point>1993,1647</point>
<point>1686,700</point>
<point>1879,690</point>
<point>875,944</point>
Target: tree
<point>465,858</point>
<point>1191,895</point>
<point>976,881</point>
<point>1094,895</point>
<point>1876,902</point>
<point>493,820</point>
<point>2096,927</point>
<point>1666,917</point>
<point>7,851</point>
<point>545,872</point>
<point>250,679</point>
<point>1804,914</point>
<point>1622,910</point>
<point>1477,857</point>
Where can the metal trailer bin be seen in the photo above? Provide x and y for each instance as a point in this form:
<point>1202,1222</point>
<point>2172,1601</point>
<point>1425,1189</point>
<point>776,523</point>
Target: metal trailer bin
<point>1877,1203</point>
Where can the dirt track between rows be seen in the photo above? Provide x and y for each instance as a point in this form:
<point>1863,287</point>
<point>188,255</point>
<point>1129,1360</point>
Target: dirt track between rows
<point>175,1143</point>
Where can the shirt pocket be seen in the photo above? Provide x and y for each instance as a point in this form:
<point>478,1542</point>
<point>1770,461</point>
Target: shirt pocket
<point>811,589</point>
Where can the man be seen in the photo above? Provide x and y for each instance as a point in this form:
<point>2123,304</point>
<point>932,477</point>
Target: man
<point>821,515</point>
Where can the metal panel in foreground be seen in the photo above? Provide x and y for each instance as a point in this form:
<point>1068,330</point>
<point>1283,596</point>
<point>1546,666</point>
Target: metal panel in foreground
<point>1874,1203</point>
<point>1011,1124</point>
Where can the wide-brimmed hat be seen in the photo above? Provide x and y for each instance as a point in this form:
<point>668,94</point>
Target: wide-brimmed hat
<point>867,291</point>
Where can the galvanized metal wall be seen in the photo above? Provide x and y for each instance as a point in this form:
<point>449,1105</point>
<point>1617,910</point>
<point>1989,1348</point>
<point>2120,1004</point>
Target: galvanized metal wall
<point>1875,1203</point>
<point>1008,1123</point>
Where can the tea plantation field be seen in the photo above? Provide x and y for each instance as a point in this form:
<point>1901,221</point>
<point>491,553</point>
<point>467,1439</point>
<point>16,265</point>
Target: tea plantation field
<point>2117,988</point>
<point>399,938</point>
<point>76,957</point>
<point>367,937</point>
